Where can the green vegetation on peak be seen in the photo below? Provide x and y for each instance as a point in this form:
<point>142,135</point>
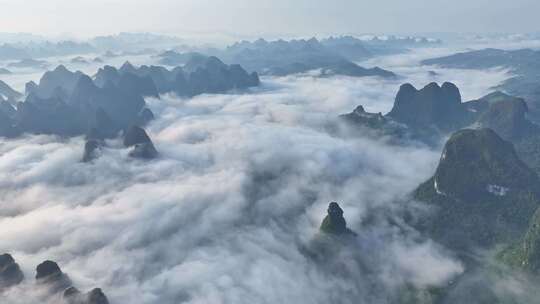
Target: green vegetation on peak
<point>483,193</point>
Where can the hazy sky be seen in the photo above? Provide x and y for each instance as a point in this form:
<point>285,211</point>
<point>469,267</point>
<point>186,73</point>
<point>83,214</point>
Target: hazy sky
<point>256,17</point>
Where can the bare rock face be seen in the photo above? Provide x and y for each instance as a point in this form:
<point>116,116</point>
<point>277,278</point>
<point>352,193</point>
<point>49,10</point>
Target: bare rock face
<point>73,296</point>
<point>432,106</point>
<point>50,275</point>
<point>142,145</point>
<point>10,272</point>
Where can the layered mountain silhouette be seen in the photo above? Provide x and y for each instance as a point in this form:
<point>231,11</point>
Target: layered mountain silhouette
<point>59,82</point>
<point>524,63</point>
<point>280,57</point>
<point>482,192</point>
<point>70,103</point>
<point>50,278</point>
<point>199,75</point>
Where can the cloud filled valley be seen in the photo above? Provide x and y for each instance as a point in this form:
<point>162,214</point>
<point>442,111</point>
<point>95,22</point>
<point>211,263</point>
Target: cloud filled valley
<point>228,211</point>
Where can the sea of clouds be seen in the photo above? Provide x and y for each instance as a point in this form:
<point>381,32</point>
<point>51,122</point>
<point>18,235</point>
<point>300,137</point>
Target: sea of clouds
<point>238,192</point>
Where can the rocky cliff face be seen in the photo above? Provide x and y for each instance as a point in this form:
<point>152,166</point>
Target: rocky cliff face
<point>433,105</point>
<point>483,193</point>
<point>199,75</point>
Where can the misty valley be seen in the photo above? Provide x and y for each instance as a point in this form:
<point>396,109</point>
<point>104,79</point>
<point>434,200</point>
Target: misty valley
<point>147,168</point>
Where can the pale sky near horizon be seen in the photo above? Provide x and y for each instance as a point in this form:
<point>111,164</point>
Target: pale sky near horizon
<point>253,17</point>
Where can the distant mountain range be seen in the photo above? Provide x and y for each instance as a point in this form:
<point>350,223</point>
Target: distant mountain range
<point>524,63</point>
<point>17,51</point>
<point>67,103</point>
<point>280,58</point>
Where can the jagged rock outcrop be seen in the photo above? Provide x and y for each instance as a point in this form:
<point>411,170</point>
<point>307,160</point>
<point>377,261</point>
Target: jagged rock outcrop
<point>58,79</point>
<point>91,150</point>
<point>483,192</point>
<point>107,74</point>
<point>432,106</point>
<point>360,116</point>
<point>429,114</point>
<point>69,103</point>
<point>213,76</point>
<point>10,272</point>
<point>134,84</point>
<point>332,239</point>
<point>200,75</point>
<point>142,146</point>
<point>8,93</point>
<point>334,223</point>
<point>366,123</point>
<point>120,104</point>
<point>73,296</point>
<point>49,275</point>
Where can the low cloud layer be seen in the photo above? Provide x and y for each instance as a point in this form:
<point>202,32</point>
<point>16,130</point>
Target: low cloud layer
<point>240,188</point>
